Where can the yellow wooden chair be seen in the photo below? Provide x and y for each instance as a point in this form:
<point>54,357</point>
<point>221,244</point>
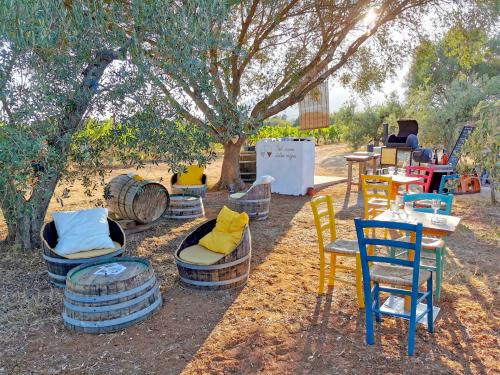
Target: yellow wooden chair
<point>324,218</point>
<point>376,193</point>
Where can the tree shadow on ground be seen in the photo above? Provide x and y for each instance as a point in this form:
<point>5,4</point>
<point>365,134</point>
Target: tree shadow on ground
<point>166,342</point>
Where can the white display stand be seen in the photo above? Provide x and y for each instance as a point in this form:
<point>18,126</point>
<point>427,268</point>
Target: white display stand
<point>290,161</point>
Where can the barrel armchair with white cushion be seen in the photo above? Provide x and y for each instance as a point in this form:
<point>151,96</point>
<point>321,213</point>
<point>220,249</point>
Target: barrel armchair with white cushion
<point>256,200</point>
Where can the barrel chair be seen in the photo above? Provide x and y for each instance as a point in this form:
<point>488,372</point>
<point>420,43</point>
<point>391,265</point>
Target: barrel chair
<point>208,264</point>
<point>58,266</point>
<point>256,200</point>
<point>192,182</point>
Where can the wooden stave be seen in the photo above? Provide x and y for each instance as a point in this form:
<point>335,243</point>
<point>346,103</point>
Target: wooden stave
<point>58,266</point>
<point>119,304</point>
<point>121,194</point>
<point>230,272</point>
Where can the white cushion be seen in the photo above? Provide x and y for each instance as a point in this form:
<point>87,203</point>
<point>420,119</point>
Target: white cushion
<point>82,230</point>
<point>266,179</point>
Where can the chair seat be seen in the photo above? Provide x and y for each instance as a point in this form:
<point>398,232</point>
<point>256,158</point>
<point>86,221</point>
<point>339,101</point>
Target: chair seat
<point>200,255</point>
<point>348,247</point>
<point>377,202</point>
<point>397,275</point>
<point>428,243</point>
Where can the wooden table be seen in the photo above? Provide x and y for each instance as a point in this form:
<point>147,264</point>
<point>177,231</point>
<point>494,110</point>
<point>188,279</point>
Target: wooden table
<point>447,227</point>
<point>400,180</point>
<point>361,159</point>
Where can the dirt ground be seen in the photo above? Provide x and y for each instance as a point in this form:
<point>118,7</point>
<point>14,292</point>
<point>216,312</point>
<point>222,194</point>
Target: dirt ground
<point>276,324</point>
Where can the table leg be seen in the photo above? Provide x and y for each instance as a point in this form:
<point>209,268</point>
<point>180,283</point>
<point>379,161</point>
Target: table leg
<point>361,171</point>
<point>374,166</point>
<point>349,177</point>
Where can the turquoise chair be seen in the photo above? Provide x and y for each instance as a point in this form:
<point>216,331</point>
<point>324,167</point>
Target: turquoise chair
<point>447,184</point>
<point>401,274</point>
<point>434,249</point>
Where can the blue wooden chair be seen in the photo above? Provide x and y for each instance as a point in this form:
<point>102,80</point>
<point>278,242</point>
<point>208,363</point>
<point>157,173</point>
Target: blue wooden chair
<point>404,276</point>
<point>434,249</point>
<point>447,184</point>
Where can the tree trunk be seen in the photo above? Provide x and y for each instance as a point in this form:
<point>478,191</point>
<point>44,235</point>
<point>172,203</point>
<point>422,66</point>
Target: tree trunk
<point>230,172</point>
<point>26,217</point>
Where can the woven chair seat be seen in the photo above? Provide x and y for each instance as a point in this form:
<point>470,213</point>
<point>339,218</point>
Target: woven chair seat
<point>347,247</point>
<point>428,243</point>
<point>378,202</point>
<point>397,275</point>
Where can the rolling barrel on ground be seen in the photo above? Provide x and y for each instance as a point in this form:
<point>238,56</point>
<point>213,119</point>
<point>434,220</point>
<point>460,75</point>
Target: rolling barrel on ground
<point>248,166</point>
<point>185,206</point>
<point>132,198</point>
<point>110,295</point>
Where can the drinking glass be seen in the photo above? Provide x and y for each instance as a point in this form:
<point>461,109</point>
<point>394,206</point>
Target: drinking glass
<point>394,207</point>
<point>391,170</point>
<point>436,205</point>
<point>408,208</point>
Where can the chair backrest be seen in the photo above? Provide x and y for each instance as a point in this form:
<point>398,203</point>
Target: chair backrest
<point>448,183</point>
<point>424,173</point>
<point>324,219</point>
<point>388,156</point>
<point>364,239</point>
<point>377,187</point>
<point>446,199</point>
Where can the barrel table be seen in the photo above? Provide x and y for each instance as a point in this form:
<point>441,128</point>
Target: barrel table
<point>185,206</point>
<point>110,295</point>
<point>130,197</point>
<point>58,266</point>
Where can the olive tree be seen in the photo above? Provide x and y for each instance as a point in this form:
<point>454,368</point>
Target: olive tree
<point>228,65</point>
<point>62,62</point>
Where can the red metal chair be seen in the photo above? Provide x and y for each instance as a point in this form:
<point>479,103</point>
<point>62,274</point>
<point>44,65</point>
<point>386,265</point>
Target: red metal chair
<point>425,175</point>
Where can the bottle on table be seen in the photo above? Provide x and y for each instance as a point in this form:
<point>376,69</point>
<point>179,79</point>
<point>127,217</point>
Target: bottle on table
<point>435,157</point>
<point>444,158</point>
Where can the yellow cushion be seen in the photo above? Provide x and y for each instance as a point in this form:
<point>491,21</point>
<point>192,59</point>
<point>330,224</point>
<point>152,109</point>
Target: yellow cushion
<point>197,254</point>
<point>227,233</point>
<point>192,176</point>
<point>93,253</point>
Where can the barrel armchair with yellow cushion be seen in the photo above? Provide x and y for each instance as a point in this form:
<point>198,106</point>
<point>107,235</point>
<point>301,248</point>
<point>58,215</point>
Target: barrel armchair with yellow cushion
<point>256,200</point>
<point>216,255</point>
<point>192,182</point>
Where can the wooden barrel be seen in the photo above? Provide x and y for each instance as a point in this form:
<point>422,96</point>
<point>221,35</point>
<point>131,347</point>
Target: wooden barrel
<point>58,266</point>
<point>256,202</point>
<point>140,200</point>
<point>110,295</point>
<point>230,272</point>
<point>248,166</point>
<point>185,207</point>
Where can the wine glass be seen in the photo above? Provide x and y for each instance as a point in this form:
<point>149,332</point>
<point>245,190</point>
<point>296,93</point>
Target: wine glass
<point>394,207</point>
<point>435,205</point>
<point>408,208</point>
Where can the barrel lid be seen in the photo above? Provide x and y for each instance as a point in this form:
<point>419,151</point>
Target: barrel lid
<point>108,271</point>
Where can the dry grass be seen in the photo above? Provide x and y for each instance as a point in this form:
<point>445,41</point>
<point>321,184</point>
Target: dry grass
<point>276,323</point>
